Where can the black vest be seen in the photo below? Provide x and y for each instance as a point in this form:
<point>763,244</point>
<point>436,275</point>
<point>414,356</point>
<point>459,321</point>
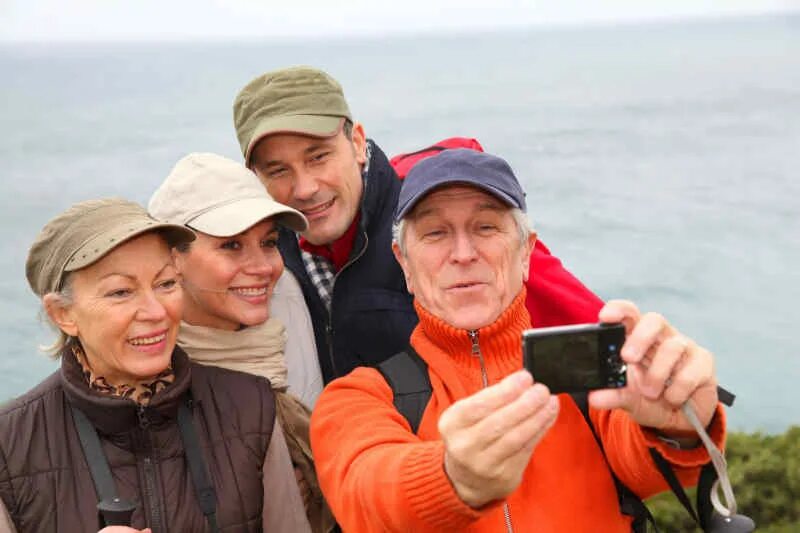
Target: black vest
<point>372,313</point>
<point>44,478</point>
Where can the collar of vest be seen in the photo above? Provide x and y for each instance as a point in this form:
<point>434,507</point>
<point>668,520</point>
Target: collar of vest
<point>112,415</point>
<point>381,188</point>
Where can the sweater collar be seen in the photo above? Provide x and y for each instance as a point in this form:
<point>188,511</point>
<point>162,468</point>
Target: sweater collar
<point>500,340</point>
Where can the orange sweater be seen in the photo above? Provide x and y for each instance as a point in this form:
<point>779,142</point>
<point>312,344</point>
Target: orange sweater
<point>378,476</point>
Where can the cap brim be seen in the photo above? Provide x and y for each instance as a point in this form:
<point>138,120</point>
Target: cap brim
<point>238,216</point>
<point>312,125</point>
<point>429,187</point>
<point>100,245</point>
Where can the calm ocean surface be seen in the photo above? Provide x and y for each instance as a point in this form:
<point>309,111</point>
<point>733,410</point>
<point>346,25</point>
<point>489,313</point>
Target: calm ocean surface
<point>661,161</point>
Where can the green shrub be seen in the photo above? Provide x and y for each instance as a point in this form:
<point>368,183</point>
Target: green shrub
<point>765,473</point>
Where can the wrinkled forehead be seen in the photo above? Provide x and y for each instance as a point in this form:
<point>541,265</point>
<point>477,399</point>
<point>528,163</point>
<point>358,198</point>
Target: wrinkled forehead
<point>441,198</point>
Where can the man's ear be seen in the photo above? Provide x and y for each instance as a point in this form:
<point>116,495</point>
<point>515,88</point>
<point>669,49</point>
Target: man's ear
<point>61,315</point>
<point>526,257</point>
<point>404,265</point>
<point>359,143</point>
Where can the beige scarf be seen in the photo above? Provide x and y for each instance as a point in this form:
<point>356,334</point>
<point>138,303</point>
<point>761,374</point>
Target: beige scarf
<point>256,350</point>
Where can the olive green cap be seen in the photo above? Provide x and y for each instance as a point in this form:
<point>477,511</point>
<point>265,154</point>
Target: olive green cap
<point>85,233</point>
<point>300,100</point>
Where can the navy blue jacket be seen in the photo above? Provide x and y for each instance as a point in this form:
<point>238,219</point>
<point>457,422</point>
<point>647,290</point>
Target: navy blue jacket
<point>372,313</point>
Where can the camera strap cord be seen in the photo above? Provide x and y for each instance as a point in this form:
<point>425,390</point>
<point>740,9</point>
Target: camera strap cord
<point>713,476</point>
<point>112,510</point>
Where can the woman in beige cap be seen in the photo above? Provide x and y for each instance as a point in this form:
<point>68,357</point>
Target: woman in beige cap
<point>129,433</point>
<point>229,276</point>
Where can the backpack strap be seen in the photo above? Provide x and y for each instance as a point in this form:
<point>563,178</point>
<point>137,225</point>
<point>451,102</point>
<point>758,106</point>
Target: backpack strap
<point>407,374</point>
<point>629,503</point>
<point>111,509</point>
<point>203,487</point>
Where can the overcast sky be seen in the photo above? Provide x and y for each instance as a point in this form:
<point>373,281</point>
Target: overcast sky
<point>81,20</point>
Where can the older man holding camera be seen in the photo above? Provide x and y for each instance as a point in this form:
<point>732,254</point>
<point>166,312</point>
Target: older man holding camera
<point>495,450</point>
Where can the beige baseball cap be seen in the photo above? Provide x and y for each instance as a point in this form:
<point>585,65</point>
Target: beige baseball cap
<point>299,99</point>
<point>219,197</point>
<point>85,233</point>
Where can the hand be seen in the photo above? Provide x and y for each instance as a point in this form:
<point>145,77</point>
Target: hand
<point>665,369</point>
<point>489,437</point>
<point>123,529</point>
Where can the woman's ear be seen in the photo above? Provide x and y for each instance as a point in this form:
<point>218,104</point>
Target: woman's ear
<point>177,259</point>
<point>61,315</point>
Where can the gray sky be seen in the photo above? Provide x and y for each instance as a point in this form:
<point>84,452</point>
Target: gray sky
<point>82,20</point>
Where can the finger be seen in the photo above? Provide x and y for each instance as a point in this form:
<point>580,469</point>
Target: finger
<point>663,364</point>
<point>622,398</point>
<point>468,411</point>
<point>523,437</point>
<point>504,420</point>
<point>696,370</point>
<point>620,311</point>
<point>650,329</point>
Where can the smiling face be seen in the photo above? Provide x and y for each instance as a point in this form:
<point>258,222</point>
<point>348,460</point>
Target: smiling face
<point>229,280</point>
<point>321,177</point>
<point>464,261</point>
<point>126,310</point>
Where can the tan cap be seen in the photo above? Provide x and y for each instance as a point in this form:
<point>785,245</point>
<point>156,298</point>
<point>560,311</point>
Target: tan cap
<point>301,100</point>
<point>219,197</point>
<point>86,232</point>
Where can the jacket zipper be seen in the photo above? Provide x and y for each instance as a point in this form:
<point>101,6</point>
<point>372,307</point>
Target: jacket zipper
<point>149,489</point>
<point>329,325</point>
<point>476,352</point>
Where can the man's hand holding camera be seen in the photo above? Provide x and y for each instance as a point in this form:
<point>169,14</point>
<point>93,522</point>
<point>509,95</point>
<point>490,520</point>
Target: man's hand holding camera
<point>489,437</point>
<point>665,370</point>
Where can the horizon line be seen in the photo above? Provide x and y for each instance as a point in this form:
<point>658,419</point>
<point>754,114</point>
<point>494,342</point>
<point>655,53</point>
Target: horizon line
<point>363,34</point>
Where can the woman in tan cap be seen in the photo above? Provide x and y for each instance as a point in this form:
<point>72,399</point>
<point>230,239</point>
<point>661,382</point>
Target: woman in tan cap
<point>129,432</point>
<point>229,274</point>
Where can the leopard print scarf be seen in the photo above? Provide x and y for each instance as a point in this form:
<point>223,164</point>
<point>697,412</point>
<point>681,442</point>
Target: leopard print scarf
<point>140,393</point>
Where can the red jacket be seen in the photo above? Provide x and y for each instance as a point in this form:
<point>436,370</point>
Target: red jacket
<point>379,476</point>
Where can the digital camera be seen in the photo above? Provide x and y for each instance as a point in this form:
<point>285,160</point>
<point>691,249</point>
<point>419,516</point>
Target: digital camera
<point>576,358</point>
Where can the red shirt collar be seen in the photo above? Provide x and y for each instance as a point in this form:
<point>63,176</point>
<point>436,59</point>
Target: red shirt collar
<point>339,251</point>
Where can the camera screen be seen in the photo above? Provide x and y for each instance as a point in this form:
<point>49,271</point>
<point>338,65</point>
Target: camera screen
<point>569,360</point>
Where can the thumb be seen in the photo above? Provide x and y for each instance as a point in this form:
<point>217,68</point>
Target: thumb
<point>607,399</point>
<point>624,398</point>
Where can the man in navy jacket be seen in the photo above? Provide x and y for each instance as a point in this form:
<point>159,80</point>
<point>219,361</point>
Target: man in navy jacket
<point>297,134</point>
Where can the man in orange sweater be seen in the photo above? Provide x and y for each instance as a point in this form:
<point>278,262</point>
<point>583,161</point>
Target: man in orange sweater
<point>495,451</point>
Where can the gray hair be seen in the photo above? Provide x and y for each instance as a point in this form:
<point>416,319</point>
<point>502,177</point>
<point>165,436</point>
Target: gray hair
<point>64,297</point>
<point>520,219</point>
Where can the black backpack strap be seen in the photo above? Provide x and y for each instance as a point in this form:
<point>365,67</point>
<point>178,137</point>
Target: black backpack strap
<point>112,510</point>
<point>407,375</point>
<point>203,487</point>
<point>629,503</point>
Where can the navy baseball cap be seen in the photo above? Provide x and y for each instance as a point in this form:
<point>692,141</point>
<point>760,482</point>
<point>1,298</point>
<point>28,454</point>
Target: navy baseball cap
<point>460,166</point>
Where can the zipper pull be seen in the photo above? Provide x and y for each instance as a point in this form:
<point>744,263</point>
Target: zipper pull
<point>473,335</point>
